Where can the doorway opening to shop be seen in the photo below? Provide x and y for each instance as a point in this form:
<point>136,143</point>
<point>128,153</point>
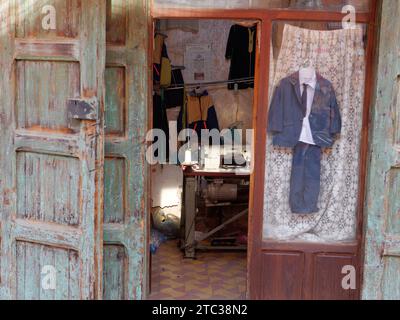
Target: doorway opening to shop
<point>203,89</point>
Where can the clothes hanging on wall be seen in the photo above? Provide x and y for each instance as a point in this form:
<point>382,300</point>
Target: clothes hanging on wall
<point>305,178</point>
<point>340,57</point>
<point>161,72</point>
<point>286,113</point>
<point>199,113</point>
<point>160,121</point>
<point>175,98</point>
<point>295,118</point>
<point>165,75</point>
<point>159,53</point>
<point>241,50</point>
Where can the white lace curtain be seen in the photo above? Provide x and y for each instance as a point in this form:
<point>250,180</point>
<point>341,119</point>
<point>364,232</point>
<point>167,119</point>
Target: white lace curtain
<point>339,57</point>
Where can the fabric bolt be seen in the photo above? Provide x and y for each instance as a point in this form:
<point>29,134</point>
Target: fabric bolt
<point>340,57</point>
<point>241,50</point>
<point>305,179</point>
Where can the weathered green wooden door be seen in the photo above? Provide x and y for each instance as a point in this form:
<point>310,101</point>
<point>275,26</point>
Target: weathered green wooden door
<point>382,246</point>
<point>125,168</point>
<point>52,56</point>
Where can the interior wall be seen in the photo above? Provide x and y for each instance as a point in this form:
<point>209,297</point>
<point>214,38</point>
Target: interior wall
<point>230,106</point>
<point>167,187</point>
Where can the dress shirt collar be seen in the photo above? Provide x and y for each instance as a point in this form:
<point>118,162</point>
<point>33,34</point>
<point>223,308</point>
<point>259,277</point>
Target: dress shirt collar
<point>312,82</point>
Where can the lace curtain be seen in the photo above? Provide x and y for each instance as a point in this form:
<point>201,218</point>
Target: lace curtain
<point>339,57</point>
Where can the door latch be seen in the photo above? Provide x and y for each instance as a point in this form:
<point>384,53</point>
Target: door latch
<point>83,109</point>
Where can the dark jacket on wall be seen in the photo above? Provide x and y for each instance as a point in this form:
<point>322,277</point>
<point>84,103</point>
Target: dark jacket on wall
<point>241,50</point>
<point>175,98</point>
<point>286,117</point>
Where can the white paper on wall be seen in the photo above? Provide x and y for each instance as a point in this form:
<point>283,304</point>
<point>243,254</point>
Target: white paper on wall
<point>197,63</point>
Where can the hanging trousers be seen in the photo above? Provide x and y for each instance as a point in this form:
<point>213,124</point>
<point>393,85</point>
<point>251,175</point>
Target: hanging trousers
<point>305,178</point>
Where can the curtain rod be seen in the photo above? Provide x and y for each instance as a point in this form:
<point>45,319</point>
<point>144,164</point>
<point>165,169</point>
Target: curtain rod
<point>211,83</point>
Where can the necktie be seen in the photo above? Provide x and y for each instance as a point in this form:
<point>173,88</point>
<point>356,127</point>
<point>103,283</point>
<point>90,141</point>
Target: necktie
<point>304,99</point>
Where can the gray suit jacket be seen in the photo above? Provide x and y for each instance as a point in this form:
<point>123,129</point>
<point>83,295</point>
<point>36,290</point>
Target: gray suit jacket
<point>285,119</point>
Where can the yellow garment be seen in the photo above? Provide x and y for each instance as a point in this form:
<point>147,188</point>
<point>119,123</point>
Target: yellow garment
<point>197,108</point>
<point>158,44</point>
<point>166,72</point>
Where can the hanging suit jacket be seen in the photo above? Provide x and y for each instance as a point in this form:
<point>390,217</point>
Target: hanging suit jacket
<point>285,118</point>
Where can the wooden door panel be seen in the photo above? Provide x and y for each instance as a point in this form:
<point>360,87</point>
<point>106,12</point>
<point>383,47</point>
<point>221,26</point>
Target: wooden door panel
<point>306,271</point>
<point>382,243</point>
<point>115,273</point>
<point>390,278</point>
<point>125,168</point>
<point>115,114</point>
<point>56,81</point>
<point>30,260</point>
<point>51,186</point>
<point>29,18</point>
<point>39,198</point>
<point>282,275</point>
<point>327,276</point>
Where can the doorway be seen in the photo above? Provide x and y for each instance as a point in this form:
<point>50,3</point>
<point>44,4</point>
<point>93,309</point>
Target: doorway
<point>200,192</point>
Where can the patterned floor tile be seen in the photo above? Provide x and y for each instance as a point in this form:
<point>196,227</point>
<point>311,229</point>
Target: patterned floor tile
<point>213,275</point>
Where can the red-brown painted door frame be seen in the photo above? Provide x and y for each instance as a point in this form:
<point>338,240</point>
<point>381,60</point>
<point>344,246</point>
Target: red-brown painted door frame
<point>260,111</point>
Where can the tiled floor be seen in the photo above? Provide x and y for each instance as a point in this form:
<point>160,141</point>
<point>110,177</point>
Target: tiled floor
<point>213,275</point>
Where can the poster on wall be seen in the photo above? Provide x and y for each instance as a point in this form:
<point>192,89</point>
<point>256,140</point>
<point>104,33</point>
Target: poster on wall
<point>197,63</point>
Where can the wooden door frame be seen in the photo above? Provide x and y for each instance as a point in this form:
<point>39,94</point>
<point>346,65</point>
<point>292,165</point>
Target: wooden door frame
<point>256,243</point>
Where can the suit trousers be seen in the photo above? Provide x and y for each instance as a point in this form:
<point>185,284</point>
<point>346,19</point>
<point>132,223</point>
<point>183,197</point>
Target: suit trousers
<point>305,178</point>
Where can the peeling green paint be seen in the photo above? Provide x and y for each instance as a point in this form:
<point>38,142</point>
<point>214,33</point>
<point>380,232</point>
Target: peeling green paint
<point>382,209</point>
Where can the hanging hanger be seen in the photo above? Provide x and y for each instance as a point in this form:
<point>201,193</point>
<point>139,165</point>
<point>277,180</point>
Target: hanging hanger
<point>306,64</point>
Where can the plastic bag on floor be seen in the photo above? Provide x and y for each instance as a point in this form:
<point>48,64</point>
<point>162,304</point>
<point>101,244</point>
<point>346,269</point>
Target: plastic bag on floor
<point>156,239</point>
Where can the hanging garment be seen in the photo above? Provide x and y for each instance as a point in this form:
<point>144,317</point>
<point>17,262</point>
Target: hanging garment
<point>308,83</point>
<point>160,121</point>
<point>304,115</point>
<point>241,50</point>
<point>340,57</point>
<point>166,71</point>
<point>160,54</point>
<point>175,98</point>
<point>286,113</point>
<point>305,179</point>
<point>158,48</point>
<point>200,113</point>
